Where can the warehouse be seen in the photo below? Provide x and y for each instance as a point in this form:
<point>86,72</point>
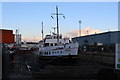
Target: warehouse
<point>106,40</point>
<point>7,36</point>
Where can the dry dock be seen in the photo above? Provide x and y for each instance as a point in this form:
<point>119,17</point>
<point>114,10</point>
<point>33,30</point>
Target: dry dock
<point>86,67</point>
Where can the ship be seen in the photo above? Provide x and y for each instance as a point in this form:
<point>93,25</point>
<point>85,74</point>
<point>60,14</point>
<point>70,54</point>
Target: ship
<point>54,45</point>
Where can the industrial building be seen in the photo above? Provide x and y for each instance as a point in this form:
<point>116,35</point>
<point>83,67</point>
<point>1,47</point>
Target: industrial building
<point>106,39</point>
<point>7,36</point>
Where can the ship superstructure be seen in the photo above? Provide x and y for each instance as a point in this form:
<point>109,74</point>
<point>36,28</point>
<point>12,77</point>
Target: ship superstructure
<point>55,45</point>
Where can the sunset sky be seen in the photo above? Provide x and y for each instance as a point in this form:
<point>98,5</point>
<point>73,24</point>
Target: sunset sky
<point>27,17</point>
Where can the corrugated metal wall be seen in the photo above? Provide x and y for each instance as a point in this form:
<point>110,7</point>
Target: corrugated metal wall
<point>105,38</point>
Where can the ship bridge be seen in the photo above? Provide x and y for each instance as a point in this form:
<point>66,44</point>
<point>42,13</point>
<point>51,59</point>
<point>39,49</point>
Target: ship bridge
<point>54,36</point>
<point>52,40</point>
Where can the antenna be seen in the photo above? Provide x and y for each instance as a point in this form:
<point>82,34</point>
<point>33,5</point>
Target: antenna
<point>42,30</point>
<point>57,14</point>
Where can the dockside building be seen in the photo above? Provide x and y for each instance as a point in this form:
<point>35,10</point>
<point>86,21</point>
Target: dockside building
<point>6,36</point>
<point>102,39</point>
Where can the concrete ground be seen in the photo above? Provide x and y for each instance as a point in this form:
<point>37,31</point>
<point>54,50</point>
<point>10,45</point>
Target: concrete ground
<point>29,66</point>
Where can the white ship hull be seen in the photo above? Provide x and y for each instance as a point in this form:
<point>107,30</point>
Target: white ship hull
<point>63,50</point>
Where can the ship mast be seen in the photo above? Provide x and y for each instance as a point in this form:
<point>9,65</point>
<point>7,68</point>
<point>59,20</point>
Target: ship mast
<point>57,16</point>
<point>57,23</point>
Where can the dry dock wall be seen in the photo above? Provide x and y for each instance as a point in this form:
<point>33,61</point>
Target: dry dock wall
<point>106,59</point>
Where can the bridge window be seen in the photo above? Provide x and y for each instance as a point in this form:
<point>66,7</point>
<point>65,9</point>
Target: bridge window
<point>46,44</point>
<point>46,53</point>
<point>51,44</point>
<point>60,37</point>
<point>55,44</point>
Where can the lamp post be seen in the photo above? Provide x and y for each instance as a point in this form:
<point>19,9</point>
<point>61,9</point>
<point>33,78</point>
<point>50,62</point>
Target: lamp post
<point>42,30</point>
<point>79,28</point>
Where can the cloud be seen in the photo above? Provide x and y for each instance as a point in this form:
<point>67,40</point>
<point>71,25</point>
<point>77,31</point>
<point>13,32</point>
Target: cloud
<point>70,34</point>
<point>33,39</point>
<point>85,31</point>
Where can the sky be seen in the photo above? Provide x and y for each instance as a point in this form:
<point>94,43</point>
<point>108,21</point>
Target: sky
<point>27,17</point>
